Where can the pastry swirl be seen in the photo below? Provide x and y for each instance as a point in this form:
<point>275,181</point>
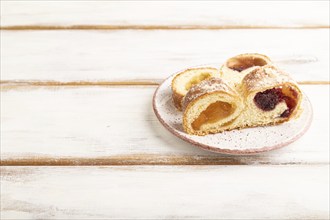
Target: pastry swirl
<point>271,96</point>
<point>247,91</point>
<point>237,67</point>
<point>183,81</point>
<point>266,96</point>
<point>210,107</point>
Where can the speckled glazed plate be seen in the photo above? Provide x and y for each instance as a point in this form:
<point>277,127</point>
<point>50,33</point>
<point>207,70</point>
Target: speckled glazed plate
<point>244,141</point>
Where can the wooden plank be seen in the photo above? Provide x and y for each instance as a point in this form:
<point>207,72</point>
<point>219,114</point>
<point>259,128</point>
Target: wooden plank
<point>116,126</point>
<point>145,14</point>
<point>97,57</point>
<point>165,192</point>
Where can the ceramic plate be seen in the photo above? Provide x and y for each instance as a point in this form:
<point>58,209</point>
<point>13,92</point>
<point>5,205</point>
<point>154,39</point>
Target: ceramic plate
<point>244,141</point>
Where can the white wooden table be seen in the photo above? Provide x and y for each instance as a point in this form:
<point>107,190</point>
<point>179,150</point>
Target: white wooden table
<point>79,139</point>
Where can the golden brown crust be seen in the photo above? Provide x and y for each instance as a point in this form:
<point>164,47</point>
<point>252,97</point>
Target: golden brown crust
<point>268,77</point>
<point>206,87</point>
<point>176,95</point>
<point>177,100</point>
<point>199,91</point>
<point>248,56</point>
<point>186,127</point>
<point>253,80</point>
<point>235,68</point>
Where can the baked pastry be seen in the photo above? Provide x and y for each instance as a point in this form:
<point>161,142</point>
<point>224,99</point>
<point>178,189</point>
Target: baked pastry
<point>271,97</point>
<point>183,81</point>
<point>236,68</point>
<point>210,107</point>
<point>265,96</point>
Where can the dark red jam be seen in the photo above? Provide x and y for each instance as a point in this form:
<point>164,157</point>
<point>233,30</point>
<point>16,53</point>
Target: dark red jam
<point>268,100</point>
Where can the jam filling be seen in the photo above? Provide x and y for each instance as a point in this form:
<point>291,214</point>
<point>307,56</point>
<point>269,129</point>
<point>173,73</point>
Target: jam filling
<point>240,64</point>
<point>268,100</point>
<point>197,79</point>
<point>213,113</point>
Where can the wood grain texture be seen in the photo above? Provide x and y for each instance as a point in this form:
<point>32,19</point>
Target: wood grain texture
<point>116,126</point>
<point>146,192</point>
<point>61,106</point>
<point>28,85</point>
<point>145,27</point>
<point>187,14</point>
<point>94,56</point>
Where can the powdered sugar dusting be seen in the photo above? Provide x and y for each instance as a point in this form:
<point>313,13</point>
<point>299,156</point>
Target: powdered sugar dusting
<point>206,86</point>
<point>266,76</point>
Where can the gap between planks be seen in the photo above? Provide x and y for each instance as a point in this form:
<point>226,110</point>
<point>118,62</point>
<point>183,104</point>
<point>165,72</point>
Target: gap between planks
<point>151,27</point>
<point>146,159</point>
<point>13,84</point>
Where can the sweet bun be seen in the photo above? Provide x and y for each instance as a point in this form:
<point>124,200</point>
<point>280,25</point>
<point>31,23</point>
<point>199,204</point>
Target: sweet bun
<point>248,91</point>
<point>266,96</point>
<point>210,107</point>
<point>271,97</point>
<point>184,80</point>
<point>237,67</point>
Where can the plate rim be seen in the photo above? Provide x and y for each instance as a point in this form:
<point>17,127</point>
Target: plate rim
<point>228,151</point>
